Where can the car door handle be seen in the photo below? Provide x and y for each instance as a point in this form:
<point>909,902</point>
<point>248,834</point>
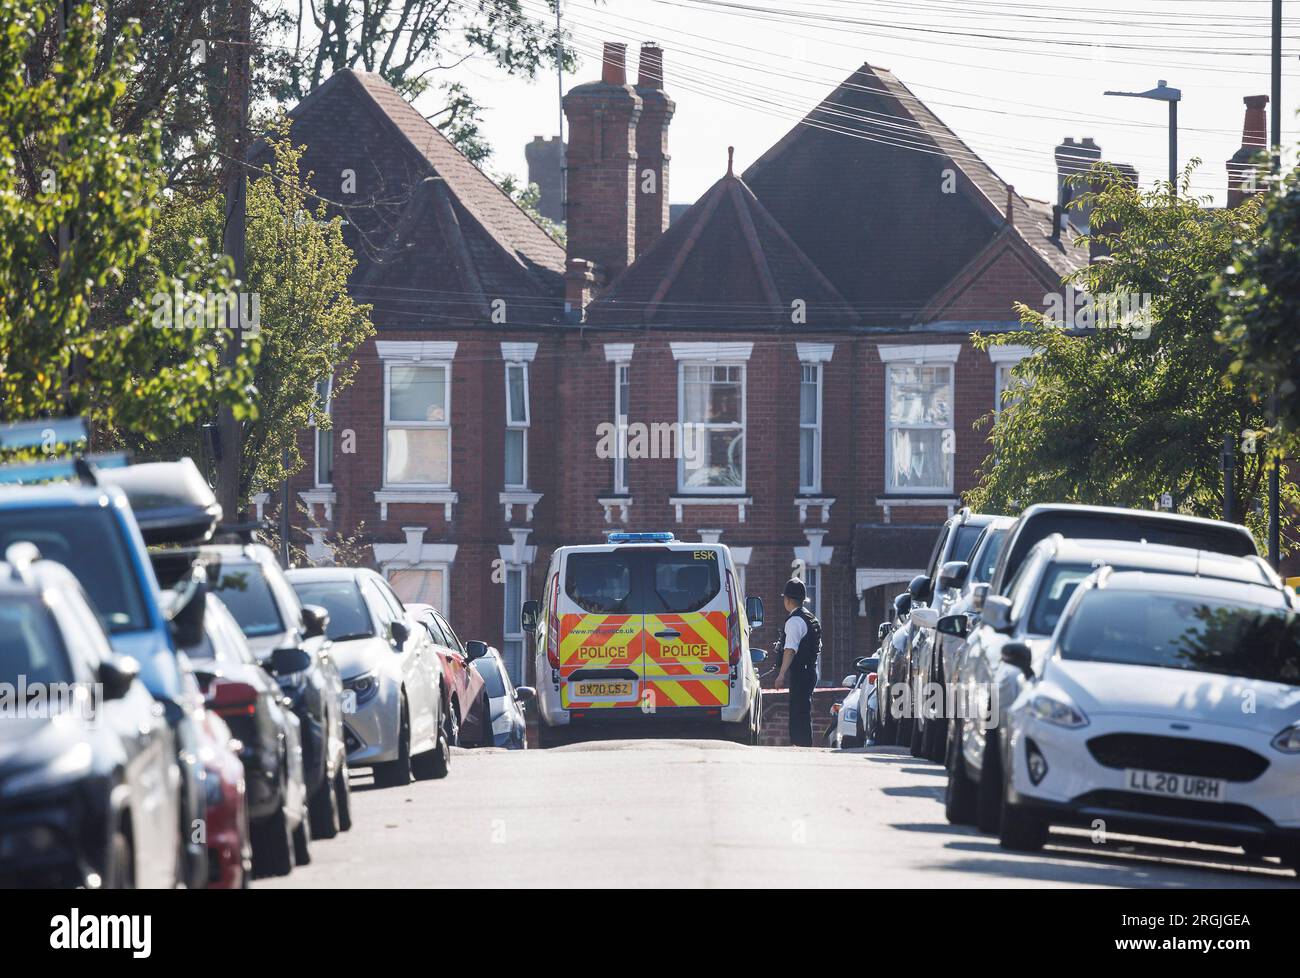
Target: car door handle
<point>668,633</point>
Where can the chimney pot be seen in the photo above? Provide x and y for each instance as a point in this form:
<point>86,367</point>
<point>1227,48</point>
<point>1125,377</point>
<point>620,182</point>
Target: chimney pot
<point>650,68</point>
<point>615,64</point>
<point>1244,174</point>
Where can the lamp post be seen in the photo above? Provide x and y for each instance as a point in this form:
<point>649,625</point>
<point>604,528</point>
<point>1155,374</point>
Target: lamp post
<point>1163,93</point>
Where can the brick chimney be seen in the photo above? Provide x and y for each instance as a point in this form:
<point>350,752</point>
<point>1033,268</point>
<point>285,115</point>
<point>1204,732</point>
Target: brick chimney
<point>652,148</point>
<point>1073,158</point>
<point>601,163</point>
<point>1245,174</point>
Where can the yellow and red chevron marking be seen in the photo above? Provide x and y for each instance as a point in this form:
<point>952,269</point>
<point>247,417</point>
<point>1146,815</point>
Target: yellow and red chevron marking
<point>690,669</point>
<point>599,642</point>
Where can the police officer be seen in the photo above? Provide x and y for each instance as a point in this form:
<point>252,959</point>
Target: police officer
<point>803,646</point>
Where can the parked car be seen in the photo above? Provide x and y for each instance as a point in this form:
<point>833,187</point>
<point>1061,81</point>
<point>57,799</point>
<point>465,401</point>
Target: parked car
<point>891,687</point>
<point>391,672</point>
<point>226,832</point>
<point>99,530</point>
<point>1132,713</point>
<point>467,716</point>
<point>289,640</point>
<point>89,790</point>
<point>848,728</point>
<point>505,701</point>
<point>1027,616</point>
<point>248,698</point>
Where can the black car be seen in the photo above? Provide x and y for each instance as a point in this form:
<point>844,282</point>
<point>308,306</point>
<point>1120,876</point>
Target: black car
<point>252,586</point>
<point>244,694</point>
<point>88,784</point>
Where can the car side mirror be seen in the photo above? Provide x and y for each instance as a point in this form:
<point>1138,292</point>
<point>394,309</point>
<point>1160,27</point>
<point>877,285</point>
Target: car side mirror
<point>525,694</point>
<point>116,675</point>
<point>850,680</point>
<point>188,611</point>
<point>902,605</point>
<point>997,612</point>
<point>862,664</point>
<point>978,595</point>
<point>882,630</point>
<point>919,589</point>
<point>955,625</point>
<point>953,574</point>
<point>754,611</point>
<point>286,662</point>
<point>315,620</point>
<point>530,615</point>
<point>474,649</point>
<point>1018,654</point>
<point>400,632</point>
<point>925,617</point>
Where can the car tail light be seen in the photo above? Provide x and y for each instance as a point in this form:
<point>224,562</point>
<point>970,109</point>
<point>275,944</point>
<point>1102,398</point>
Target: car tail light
<point>230,699</point>
<point>553,626</point>
<point>871,678</point>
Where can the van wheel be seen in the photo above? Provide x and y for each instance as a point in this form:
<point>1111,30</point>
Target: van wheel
<point>397,774</point>
<point>988,807</point>
<point>343,798</point>
<point>119,866</point>
<point>959,797</point>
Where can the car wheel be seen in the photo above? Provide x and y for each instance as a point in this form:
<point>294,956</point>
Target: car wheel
<point>959,796</point>
<point>273,843</point>
<point>323,811</point>
<point>302,842</point>
<point>1291,858</point>
<point>936,727</point>
<point>119,866</point>
<point>397,774</point>
<point>433,763</point>
<point>343,798</point>
<point>916,734</point>
<point>1021,830</point>
<point>453,726</point>
<point>988,806</point>
<point>887,732</point>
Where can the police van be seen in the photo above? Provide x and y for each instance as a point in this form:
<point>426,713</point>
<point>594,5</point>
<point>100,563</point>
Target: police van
<point>645,631</point>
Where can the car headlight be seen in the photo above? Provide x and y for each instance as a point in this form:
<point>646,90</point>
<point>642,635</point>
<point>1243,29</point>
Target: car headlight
<point>364,687</point>
<point>73,763</point>
<point>1288,741</point>
<point>851,714</point>
<point>1056,712</point>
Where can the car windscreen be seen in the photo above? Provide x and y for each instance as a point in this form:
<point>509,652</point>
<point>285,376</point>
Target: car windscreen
<point>966,538</point>
<point>88,541</point>
<point>1176,631</point>
<point>600,583</point>
<point>1134,527</point>
<point>681,581</point>
<point>987,558</point>
<point>491,673</point>
<point>349,617</point>
<point>30,646</point>
<point>1054,592</point>
<point>243,589</point>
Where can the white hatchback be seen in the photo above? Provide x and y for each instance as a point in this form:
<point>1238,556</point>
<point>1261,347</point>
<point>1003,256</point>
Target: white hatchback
<point>1163,706</point>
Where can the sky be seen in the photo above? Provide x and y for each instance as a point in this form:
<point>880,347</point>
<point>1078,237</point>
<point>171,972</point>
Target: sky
<point>1011,77</point>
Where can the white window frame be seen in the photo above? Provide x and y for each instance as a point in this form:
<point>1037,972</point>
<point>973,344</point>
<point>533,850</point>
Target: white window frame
<point>513,631</point>
<point>742,366</point>
<point>919,355</point>
<point>809,571</point>
<point>1005,359</point>
<point>445,366</point>
<point>621,368</point>
<point>521,426</point>
<point>390,569</point>
<point>327,410</point>
<point>815,427</point>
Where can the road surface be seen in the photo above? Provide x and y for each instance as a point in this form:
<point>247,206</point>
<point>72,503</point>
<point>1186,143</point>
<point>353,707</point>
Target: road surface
<point>688,813</point>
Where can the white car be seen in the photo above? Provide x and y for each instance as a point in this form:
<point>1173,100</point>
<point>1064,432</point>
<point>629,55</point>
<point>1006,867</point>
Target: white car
<point>1163,705</point>
<point>392,714</point>
<point>849,726</point>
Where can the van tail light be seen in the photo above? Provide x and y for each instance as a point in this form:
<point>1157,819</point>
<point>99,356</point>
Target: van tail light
<point>733,624</point>
<point>231,699</point>
<point>553,626</point>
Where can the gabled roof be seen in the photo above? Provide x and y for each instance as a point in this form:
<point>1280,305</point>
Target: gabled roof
<point>457,240</point>
<point>726,261</point>
<point>859,185</point>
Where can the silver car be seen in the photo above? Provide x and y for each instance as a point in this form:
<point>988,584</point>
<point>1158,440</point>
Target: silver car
<point>391,677</point>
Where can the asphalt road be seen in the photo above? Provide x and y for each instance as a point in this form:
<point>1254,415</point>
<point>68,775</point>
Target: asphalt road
<point>697,813</point>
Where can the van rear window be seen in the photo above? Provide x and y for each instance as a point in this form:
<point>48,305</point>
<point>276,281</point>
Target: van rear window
<point>600,583</point>
<point>682,581</point>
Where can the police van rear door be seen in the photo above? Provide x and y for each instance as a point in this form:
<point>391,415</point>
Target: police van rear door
<point>601,634</point>
<point>687,609</point>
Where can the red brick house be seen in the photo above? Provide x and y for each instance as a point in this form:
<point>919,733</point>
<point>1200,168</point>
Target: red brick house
<point>797,345</point>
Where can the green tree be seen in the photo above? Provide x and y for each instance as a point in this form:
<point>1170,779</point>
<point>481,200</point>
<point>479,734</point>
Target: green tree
<point>1259,298</point>
<point>1130,408</point>
<point>307,324</point>
<point>69,342</point>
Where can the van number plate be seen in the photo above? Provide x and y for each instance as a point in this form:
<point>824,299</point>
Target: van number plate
<point>603,690</point>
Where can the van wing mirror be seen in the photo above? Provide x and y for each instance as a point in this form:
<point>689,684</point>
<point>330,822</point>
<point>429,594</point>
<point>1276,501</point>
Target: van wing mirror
<point>530,615</point>
<point>754,611</point>
<point>1019,655</point>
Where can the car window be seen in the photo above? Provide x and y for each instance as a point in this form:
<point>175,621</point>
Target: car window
<point>430,622</point>
<point>244,591</point>
<point>967,537</point>
<point>30,646</point>
<point>987,557</point>
<point>493,681</point>
<point>600,583</point>
<point>682,581</point>
<point>89,542</point>
<point>349,616</point>
<point>453,640</point>
<point>938,549</point>
<point>1054,592</point>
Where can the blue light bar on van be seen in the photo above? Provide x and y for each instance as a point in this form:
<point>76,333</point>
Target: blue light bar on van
<point>641,537</point>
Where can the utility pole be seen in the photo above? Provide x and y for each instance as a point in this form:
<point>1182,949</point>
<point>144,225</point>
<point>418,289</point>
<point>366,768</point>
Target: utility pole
<point>1274,458</point>
<point>1229,462</point>
<point>234,139</point>
<point>559,77</point>
<point>65,229</point>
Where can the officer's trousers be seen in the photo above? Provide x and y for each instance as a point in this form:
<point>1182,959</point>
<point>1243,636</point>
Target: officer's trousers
<point>802,683</point>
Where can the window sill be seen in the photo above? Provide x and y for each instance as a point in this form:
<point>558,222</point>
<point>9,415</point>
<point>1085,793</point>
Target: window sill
<point>519,497</point>
<point>437,497</point>
<point>740,502</point>
<point>325,498</point>
<point>622,503</point>
<point>942,498</point>
<point>805,503</point>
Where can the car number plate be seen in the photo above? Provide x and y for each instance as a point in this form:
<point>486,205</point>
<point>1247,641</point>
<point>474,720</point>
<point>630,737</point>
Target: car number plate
<point>603,690</point>
<point>1176,785</point>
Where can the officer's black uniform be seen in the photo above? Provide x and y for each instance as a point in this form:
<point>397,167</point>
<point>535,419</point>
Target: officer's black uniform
<point>803,677</point>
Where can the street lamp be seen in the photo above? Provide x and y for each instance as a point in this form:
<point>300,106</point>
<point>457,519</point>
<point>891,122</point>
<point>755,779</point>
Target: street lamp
<point>1163,93</point>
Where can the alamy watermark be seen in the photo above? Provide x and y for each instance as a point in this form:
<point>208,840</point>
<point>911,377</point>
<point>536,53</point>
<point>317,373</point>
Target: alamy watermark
<point>1125,312</point>
<point>207,310</point>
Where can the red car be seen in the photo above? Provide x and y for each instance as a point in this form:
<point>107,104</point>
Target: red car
<point>230,851</point>
<point>467,711</point>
